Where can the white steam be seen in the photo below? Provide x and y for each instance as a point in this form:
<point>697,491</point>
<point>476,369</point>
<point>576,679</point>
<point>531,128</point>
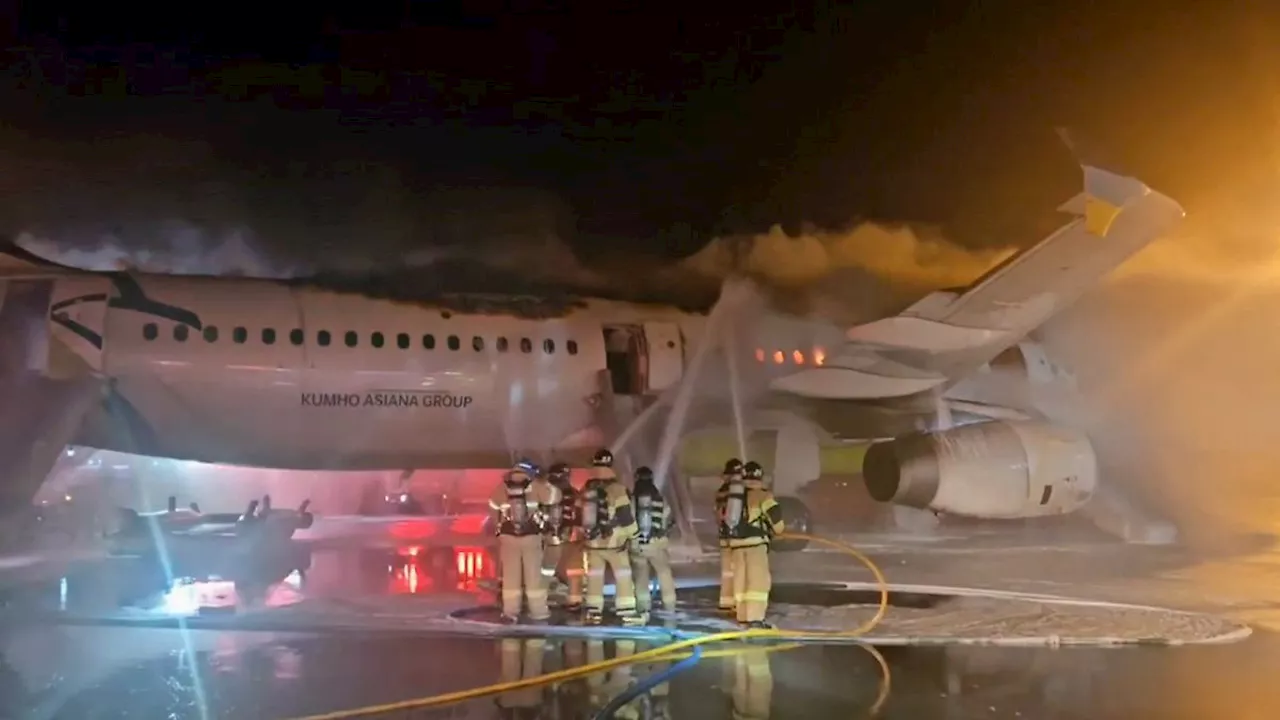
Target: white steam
<point>1178,358</point>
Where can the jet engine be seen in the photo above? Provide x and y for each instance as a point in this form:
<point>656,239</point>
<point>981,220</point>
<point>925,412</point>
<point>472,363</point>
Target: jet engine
<point>997,470</point>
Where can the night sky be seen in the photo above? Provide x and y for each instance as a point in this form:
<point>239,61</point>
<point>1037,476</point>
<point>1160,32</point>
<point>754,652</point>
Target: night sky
<point>617,131</point>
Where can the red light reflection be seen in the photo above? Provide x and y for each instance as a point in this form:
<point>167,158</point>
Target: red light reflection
<point>408,579</point>
<point>472,566</point>
<point>419,569</point>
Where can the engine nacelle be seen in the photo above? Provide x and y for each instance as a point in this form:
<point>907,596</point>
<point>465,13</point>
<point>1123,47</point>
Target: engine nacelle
<point>998,470</point>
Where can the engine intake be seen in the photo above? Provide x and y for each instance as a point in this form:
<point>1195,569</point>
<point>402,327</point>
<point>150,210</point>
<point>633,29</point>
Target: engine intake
<point>997,470</point>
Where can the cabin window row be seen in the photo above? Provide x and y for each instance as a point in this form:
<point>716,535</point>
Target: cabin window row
<point>351,338</point>
<point>818,356</point>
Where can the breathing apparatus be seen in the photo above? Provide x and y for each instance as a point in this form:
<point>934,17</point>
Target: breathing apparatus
<point>517,513</point>
<point>649,505</point>
<point>735,498</point>
<point>595,495</point>
<point>560,515</point>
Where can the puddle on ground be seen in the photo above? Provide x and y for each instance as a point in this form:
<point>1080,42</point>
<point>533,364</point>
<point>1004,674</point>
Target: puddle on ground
<point>818,595</point>
<point>62,673</point>
<point>277,577</point>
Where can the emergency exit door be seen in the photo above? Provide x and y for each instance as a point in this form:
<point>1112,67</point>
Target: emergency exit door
<point>664,347</point>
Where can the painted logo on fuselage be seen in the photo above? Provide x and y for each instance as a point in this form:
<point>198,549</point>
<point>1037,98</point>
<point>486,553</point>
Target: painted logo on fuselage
<point>430,399</point>
<point>129,296</point>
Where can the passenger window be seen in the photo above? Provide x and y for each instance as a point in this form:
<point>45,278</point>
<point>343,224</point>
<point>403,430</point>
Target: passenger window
<point>502,344</point>
<point>548,346</point>
<point>150,331</point>
<point>377,340</point>
<point>296,336</point>
<point>526,345</point>
<point>402,341</point>
<point>477,343</point>
<point>180,333</point>
<point>240,335</point>
<point>572,347</point>
<point>268,336</point>
<point>211,333</point>
<point>351,338</point>
<point>454,343</point>
<point>323,338</point>
<point>429,342</point>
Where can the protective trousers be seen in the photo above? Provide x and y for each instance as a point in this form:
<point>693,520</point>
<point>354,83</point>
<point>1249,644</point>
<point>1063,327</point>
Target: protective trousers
<point>653,553</point>
<point>616,559</point>
<point>752,582</point>
<point>752,685</point>
<point>605,686</point>
<point>566,558</point>
<point>552,551</point>
<point>521,660</point>
<point>521,559</point>
<point>726,579</point>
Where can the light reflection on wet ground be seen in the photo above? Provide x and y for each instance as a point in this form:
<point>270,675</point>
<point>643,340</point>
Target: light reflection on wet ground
<point>280,577</point>
<point>80,673</point>
<point>53,671</point>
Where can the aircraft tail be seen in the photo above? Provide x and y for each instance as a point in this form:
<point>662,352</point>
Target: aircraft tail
<point>1116,217</point>
<point>949,334</point>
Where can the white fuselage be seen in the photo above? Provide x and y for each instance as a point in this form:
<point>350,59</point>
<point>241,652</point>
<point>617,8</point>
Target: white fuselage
<point>267,374</point>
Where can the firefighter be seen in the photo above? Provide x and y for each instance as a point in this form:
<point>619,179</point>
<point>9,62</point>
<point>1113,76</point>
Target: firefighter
<point>752,520</point>
<point>653,521</point>
<point>517,504</point>
<point>521,660</point>
<point>564,537</point>
<point>608,524</point>
<point>732,473</point>
<point>752,693</point>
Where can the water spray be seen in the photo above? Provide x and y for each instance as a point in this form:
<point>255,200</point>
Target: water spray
<point>733,295</point>
<point>730,346</point>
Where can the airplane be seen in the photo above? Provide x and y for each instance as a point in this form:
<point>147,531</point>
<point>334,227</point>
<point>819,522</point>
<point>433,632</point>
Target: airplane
<point>323,373</point>
<point>180,528</point>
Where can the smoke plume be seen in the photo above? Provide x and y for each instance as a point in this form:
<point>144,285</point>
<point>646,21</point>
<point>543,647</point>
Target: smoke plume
<point>1176,359</point>
<point>849,277</point>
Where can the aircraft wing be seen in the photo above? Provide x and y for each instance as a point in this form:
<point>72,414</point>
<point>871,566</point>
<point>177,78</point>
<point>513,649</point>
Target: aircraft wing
<point>951,334</point>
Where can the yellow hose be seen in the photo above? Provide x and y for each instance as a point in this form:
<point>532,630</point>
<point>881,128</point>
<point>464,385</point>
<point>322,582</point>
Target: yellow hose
<point>663,653</point>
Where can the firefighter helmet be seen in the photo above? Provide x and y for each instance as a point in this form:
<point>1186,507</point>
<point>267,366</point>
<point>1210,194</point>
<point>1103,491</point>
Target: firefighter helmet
<point>644,476</point>
<point>753,471</point>
<point>733,466</point>
<point>528,467</point>
<point>603,458</point>
<point>558,472</point>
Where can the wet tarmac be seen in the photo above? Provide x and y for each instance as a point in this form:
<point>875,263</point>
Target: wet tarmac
<point>55,669</point>
<point>77,673</point>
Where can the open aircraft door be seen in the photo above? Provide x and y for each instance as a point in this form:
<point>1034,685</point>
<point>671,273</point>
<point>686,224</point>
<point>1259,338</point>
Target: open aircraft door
<point>664,347</point>
<point>644,359</point>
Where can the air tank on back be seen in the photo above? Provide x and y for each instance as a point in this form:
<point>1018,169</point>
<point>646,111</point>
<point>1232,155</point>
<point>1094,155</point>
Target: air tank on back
<point>995,470</point>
